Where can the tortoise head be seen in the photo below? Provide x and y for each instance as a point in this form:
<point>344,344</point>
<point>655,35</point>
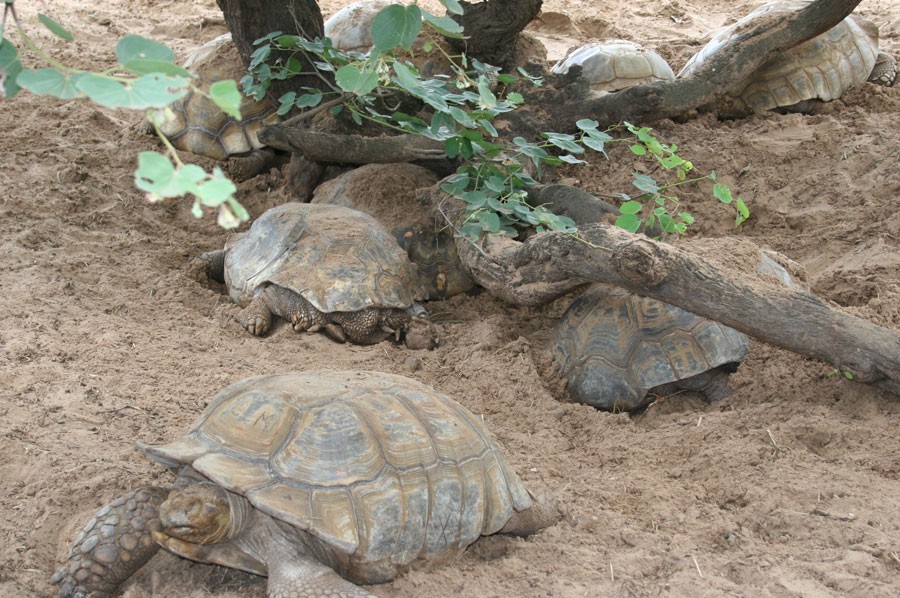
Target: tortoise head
<point>202,513</point>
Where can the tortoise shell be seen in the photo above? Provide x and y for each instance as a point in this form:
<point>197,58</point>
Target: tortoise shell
<point>614,347</point>
<point>822,68</point>
<point>614,64</point>
<point>195,124</point>
<point>350,29</point>
<point>380,469</point>
<point>389,193</point>
<point>337,258</point>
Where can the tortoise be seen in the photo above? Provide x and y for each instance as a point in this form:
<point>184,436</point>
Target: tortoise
<point>820,69</point>
<point>325,267</point>
<point>617,350</point>
<point>195,124</point>
<point>350,29</point>
<point>389,193</point>
<point>614,64</point>
<point>319,480</point>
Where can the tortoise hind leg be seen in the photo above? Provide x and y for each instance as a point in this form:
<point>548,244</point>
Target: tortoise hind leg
<point>544,512</point>
<point>245,167</point>
<point>114,544</point>
<point>885,70</point>
<point>215,265</point>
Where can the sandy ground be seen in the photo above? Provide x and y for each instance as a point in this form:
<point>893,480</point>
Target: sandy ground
<point>791,487</point>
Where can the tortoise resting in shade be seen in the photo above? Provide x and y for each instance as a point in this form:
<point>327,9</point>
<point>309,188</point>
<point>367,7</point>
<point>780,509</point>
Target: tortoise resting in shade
<point>320,481</point>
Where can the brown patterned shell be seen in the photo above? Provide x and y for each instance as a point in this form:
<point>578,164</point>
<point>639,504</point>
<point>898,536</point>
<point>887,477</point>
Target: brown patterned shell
<point>614,347</point>
<point>614,64</point>
<point>822,68</point>
<point>195,124</point>
<point>376,466</point>
<point>337,258</point>
<point>389,193</point>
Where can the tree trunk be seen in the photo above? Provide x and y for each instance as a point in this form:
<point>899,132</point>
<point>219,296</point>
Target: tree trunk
<point>249,21</point>
<point>491,28</point>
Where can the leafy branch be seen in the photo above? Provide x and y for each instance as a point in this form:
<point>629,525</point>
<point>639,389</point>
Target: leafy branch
<point>145,78</point>
<point>457,107</point>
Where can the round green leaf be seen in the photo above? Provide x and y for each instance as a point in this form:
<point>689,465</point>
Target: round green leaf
<point>10,67</point>
<point>631,207</point>
<point>353,80</point>
<point>141,66</point>
<point>156,91</point>
<point>227,97</point>
<point>103,90</point>
<point>50,82</point>
<point>135,47</point>
<point>396,25</point>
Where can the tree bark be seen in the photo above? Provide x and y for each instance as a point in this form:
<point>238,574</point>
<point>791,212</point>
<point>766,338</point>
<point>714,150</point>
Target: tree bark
<point>352,149</point>
<point>491,28</point>
<point>249,21</point>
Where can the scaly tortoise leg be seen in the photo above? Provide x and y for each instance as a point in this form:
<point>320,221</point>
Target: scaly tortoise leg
<point>114,544</point>
<point>283,303</point>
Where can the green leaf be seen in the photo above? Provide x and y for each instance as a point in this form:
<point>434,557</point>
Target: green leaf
<point>451,147</point>
<point>154,175</point>
<point>142,66</point>
<point>631,207</point>
<point>396,25</point>
<point>216,190</point>
<point>156,91</point>
<point>135,47</point>
<point>645,183</point>
<point>49,82</point>
<point>722,193</point>
<point>686,217</point>
<point>353,80</point>
<point>452,6</point>
<point>629,222</point>
<point>10,67</point>
<point>55,28</point>
<point>226,96</point>
<point>515,98</point>
<point>103,90</point>
<point>488,99</point>
<point>309,100</point>
<point>587,124</point>
<point>444,25</point>
<point>570,159</point>
<point>637,149</point>
<point>595,145</point>
<point>490,221</point>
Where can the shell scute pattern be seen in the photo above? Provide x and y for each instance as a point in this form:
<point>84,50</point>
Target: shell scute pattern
<point>374,465</point>
<point>338,259</point>
<point>822,68</point>
<point>614,64</point>
<point>197,125</point>
<point>614,347</point>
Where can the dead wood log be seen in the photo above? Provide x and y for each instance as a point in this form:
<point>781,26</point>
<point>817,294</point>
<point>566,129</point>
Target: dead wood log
<point>352,149</point>
<point>548,265</point>
<point>564,102</point>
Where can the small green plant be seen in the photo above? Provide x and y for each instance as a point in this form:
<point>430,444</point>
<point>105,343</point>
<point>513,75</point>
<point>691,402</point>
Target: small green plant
<point>145,78</point>
<point>655,204</point>
<point>463,104</point>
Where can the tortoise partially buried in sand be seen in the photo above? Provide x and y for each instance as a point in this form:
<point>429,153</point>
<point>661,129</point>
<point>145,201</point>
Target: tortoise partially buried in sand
<point>614,64</point>
<point>323,267</point>
<point>818,70</point>
<point>196,124</point>
<point>617,350</point>
<point>318,480</point>
<point>389,192</point>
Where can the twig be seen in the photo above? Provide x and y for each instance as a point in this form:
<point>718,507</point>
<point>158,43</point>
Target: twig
<point>696,564</point>
<point>778,450</point>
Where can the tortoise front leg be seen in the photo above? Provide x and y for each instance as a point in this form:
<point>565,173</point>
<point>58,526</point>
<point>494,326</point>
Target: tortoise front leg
<point>294,578</point>
<point>284,303</point>
<point>114,544</point>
